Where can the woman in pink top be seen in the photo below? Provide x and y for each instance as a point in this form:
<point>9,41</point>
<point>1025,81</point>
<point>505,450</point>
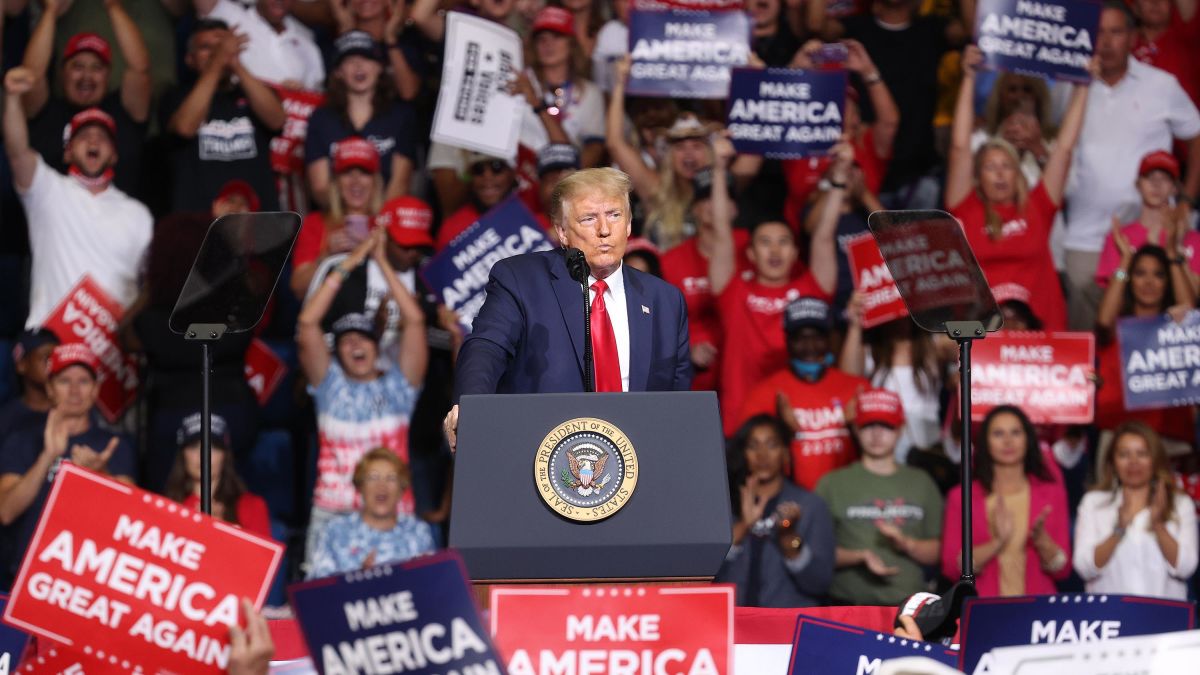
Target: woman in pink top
<point>1161,221</point>
<point>1022,545</point>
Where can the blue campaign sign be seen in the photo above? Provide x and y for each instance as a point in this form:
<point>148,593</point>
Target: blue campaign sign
<point>1161,361</point>
<point>783,113</point>
<point>417,617</point>
<point>1046,38</point>
<point>822,646</point>
<point>12,642</point>
<point>459,273</point>
<point>686,54</point>
<point>1055,619</point>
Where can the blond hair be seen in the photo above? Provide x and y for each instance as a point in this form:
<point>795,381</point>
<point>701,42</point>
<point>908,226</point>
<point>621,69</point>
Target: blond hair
<point>381,454</point>
<point>607,181</point>
<point>992,220</point>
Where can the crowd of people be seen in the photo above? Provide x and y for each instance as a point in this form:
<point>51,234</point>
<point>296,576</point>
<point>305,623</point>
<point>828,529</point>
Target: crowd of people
<point>128,125</point>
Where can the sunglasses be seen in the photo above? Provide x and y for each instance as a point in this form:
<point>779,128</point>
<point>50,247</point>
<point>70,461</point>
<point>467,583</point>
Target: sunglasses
<point>494,165</point>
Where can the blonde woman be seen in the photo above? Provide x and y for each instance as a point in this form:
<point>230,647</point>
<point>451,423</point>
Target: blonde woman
<point>1006,221</point>
<point>1135,532</point>
<point>355,196</point>
<point>666,191</point>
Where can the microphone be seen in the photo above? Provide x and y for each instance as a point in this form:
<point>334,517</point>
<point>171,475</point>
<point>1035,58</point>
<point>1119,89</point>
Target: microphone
<point>577,267</point>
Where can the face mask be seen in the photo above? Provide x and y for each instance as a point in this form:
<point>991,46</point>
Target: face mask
<point>811,371</point>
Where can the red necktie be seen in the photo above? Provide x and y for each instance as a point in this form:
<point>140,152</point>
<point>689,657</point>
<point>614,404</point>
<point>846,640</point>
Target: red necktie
<point>604,343</point>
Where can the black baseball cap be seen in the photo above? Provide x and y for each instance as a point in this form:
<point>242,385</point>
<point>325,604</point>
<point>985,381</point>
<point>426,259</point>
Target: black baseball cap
<point>807,311</point>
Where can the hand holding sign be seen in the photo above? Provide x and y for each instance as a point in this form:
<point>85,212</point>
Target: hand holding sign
<point>250,649</point>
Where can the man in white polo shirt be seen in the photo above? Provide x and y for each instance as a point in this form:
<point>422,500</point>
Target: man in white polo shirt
<point>1132,109</point>
<point>79,223</point>
<point>280,49</point>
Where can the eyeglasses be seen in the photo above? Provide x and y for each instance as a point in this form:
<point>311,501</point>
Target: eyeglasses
<point>381,478</point>
<point>496,166</point>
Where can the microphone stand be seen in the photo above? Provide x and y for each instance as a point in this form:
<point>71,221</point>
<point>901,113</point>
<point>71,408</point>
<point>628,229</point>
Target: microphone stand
<point>578,269</point>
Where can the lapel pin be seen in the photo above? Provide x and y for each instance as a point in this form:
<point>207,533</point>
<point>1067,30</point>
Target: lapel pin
<point>645,309</point>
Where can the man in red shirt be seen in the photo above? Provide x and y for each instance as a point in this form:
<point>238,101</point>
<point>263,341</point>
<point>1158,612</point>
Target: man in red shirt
<point>750,306</point>
<point>810,394</point>
<point>686,268</point>
<point>1166,39</point>
<point>492,179</point>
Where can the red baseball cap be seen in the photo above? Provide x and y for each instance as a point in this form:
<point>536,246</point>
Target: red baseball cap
<point>92,116</point>
<point>355,152</point>
<point>555,19</point>
<point>72,354</point>
<point>879,406</point>
<point>1009,291</point>
<point>238,187</point>
<point>1159,160</point>
<point>408,221</point>
<point>88,42</point>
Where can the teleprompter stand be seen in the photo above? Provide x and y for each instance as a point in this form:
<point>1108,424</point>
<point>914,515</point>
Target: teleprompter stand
<point>227,291</point>
<point>945,292</point>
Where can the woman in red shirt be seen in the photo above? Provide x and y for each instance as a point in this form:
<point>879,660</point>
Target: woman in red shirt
<point>231,501</point>
<point>1006,221</point>
<point>355,196</point>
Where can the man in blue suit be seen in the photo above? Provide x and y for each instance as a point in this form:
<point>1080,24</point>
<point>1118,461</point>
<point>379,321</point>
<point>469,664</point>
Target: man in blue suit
<point>528,337</point>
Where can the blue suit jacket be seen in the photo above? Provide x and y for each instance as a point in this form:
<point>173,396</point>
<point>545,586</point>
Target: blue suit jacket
<point>528,336</point>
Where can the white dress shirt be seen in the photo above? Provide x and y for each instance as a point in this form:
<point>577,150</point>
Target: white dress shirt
<point>618,314</point>
<point>1137,566</point>
<point>273,56</point>
<point>1139,114</point>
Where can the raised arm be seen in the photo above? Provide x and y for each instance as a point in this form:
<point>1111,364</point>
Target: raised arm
<point>722,259</point>
<point>22,158</point>
<point>135,82</point>
<point>414,348</point>
<point>310,339</point>
<point>189,116</point>
<point>645,180</point>
<point>38,54</point>
<point>853,359</point>
<point>408,83</point>
<point>1054,174</point>
<point>887,115</point>
<point>1110,303</point>
<point>426,15</point>
<point>822,248</point>
<point>524,87</point>
<point>958,171</point>
<point>263,100</point>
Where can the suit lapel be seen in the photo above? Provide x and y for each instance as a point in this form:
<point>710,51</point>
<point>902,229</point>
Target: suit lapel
<point>570,303</point>
<point>640,331</point>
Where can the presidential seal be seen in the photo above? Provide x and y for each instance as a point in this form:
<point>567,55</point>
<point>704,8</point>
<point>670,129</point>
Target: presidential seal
<point>585,469</point>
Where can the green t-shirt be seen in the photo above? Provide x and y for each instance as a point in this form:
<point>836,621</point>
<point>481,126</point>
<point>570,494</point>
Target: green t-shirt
<point>857,499</point>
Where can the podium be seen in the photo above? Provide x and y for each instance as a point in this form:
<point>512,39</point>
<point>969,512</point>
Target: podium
<point>538,484</point>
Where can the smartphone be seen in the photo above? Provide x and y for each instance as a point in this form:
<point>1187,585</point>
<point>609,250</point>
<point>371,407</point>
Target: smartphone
<point>832,54</point>
<point>358,227</point>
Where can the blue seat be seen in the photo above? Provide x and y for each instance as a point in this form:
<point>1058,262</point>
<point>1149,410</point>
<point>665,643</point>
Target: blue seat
<point>269,471</point>
<point>277,596</point>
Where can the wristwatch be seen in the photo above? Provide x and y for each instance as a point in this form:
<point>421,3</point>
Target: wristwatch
<point>1119,530</point>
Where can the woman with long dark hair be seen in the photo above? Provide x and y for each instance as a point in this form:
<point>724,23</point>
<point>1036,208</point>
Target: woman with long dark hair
<point>360,102</point>
<point>1021,541</point>
<point>231,500</point>
<point>1147,283</point>
<point>1136,533</point>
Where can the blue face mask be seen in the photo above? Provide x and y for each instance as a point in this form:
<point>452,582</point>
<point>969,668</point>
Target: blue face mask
<point>811,371</point>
